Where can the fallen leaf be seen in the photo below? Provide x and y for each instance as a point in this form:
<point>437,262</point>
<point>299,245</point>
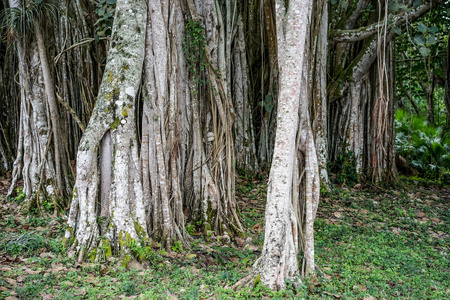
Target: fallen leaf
<point>46,296</point>
<point>257,227</point>
<point>31,272</point>
<point>252,248</point>
<point>330,294</point>
<point>11,281</point>
<point>421,215</point>
<point>369,298</point>
<point>46,254</point>
<point>194,270</point>
<point>396,230</point>
<point>135,265</point>
<point>239,241</point>
<point>434,234</point>
<point>80,292</point>
<point>5,269</point>
<point>360,287</point>
<point>337,214</point>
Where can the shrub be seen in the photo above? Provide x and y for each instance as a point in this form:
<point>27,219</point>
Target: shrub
<point>426,147</point>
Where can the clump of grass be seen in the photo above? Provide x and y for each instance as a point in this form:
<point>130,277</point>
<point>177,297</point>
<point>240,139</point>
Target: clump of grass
<point>26,244</point>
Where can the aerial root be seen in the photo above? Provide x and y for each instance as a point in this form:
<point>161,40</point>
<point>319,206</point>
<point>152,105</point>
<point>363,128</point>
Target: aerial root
<point>245,281</point>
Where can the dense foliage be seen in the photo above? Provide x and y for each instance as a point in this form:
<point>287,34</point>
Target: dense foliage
<point>426,147</point>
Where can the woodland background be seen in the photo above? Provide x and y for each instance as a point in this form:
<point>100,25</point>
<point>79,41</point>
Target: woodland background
<point>199,135</point>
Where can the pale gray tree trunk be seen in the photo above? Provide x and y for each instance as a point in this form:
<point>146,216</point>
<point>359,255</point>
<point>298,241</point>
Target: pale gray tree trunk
<point>161,146</point>
<point>244,136</point>
<point>213,162</point>
<point>319,89</point>
<point>35,161</point>
<point>111,132</point>
<point>447,81</point>
<point>278,260</point>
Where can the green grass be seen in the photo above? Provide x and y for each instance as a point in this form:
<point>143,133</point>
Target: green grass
<point>385,244</point>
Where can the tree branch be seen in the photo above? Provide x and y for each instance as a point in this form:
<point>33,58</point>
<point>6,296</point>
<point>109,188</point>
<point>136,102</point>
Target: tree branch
<point>394,20</point>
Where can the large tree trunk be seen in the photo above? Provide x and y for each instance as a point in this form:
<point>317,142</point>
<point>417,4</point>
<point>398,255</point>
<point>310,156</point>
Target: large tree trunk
<point>53,106</point>
<point>447,81</point>
<point>278,260</point>
<point>211,168</point>
<point>161,151</point>
<point>319,88</point>
<point>9,102</point>
<point>244,136</point>
<point>111,134</point>
<point>46,142</point>
<point>35,160</point>
<point>361,98</point>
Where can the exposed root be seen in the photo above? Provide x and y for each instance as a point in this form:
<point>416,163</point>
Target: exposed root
<point>245,281</point>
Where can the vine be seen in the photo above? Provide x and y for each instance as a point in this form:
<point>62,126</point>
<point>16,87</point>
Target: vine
<point>194,50</point>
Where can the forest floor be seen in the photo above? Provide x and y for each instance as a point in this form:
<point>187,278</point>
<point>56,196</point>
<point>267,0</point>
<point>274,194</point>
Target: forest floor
<point>370,244</point>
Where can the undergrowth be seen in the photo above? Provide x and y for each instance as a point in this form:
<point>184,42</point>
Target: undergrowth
<point>425,147</point>
<point>390,244</point>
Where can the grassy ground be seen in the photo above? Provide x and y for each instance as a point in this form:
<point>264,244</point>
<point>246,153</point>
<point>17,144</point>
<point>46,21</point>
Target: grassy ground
<point>370,244</point>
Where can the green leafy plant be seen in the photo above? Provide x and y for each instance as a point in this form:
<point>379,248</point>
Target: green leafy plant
<point>105,12</point>
<point>17,20</point>
<point>26,244</point>
<point>129,288</point>
<point>20,196</point>
<point>194,49</point>
<point>345,169</point>
<point>190,228</point>
<point>177,246</point>
<point>426,147</point>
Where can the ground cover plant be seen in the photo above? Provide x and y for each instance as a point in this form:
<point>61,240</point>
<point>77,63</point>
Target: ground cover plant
<point>424,146</point>
<point>370,244</point>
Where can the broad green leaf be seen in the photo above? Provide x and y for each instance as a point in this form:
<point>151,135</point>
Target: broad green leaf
<point>417,3</point>
<point>422,27</point>
<point>433,29</point>
<point>101,12</point>
<point>333,2</point>
<point>424,51</point>
<point>394,7</point>
<point>419,40</point>
<point>396,30</point>
<point>432,39</point>
<point>38,1</point>
<point>344,4</point>
<point>111,1</point>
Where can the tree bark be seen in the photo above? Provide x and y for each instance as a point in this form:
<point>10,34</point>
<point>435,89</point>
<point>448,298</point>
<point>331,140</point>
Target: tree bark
<point>213,163</point>
<point>113,115</point>
<point>278,260</point>
<point>161,149</point>
<point>447,81</point>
